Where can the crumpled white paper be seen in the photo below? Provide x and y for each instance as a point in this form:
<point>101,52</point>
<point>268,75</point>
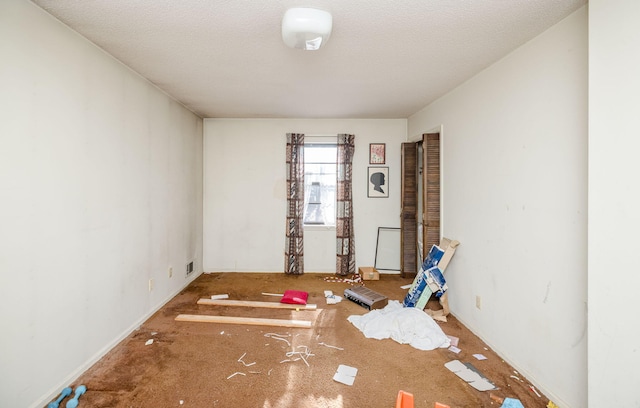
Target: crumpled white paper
<point>406,325</point>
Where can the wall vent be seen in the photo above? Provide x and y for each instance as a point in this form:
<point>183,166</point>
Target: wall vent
<point>189,268</point>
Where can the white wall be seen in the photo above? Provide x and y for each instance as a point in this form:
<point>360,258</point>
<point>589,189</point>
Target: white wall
<point>515,195</point>
<point>244,192</point>
<point>101,190</point>
<point>614,202</point>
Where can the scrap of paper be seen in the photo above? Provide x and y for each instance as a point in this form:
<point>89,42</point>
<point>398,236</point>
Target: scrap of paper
<point>454,340</point>
<point>454,349</point>
<point>345,374</point>
<point>331,298</point>
<point>472,377</point>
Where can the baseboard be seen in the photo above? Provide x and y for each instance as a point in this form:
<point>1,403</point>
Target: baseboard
<point>54,392</point>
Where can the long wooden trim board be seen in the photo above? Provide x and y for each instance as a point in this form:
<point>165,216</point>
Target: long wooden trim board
<point>243,320</point>
<point>249,303</point>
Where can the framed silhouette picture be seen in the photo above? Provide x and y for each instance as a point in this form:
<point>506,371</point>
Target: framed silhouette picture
<point>376,153</point>
<point>378,182</point>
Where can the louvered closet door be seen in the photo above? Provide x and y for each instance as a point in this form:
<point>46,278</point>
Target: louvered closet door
<point>408,205</point>
<point>431,191</point>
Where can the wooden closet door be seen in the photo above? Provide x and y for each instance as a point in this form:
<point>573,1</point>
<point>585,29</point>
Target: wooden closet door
<point>431,191</point>
<point>409,208</point>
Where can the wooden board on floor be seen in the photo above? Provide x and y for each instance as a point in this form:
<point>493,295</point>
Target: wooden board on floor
<point>249,303</point>
<point>243,320</point>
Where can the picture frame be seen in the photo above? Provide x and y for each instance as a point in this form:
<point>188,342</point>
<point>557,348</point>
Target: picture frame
<point>377,153</point>
<point>388,249</point>
<point>378,182</point>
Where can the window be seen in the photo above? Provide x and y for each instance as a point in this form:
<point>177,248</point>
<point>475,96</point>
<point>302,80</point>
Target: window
<point>320,184</point>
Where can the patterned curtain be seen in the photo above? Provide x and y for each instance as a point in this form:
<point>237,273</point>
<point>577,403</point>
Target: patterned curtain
<point>346,250</point>
<point>294,254</point>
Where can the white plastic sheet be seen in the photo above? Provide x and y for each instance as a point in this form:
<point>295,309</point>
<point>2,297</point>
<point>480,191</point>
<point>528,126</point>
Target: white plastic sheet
<point>406,325</point>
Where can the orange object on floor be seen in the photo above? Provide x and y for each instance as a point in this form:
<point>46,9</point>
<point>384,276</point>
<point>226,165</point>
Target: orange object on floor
<point>439,405</point>
<point>404,400</point>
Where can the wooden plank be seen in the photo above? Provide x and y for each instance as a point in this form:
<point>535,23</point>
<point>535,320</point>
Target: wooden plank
<point>243,320</point>
<point>249,303</point>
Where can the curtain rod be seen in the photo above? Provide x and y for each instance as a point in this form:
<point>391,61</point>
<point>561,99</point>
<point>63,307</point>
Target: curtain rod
<point>320,135</point>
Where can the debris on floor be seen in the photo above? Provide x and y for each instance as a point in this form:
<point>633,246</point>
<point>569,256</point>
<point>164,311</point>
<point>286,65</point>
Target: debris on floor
<point>331,298</point>
<point>471,375</point>
<point>73,402</point>
<point>279,337</point>
<point>345,374</point>
<point>420,290</point>
<point>430,279</point>
<point>404,400</point>
<point>511,403</point>
<point>64,394</point>
<point>454,349</point>
<point>296,297</point>
<point>330,346</point>
<point>437,315</point>
<point>496,398</point>
<point>272,294</point>
<point>218,297</point>
<point>299,355</point>
<point>454,340</point>
<point>533,389</point>
<point>251,303</point>
<point>243,320</point>
<point>366,297</point>
<point>404,325</point>
<point>357,278</point>
<point>369,273</point>
<point>243,362</point>
<point>234,374</point>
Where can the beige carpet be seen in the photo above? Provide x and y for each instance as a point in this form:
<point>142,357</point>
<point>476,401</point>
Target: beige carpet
<point>237,365</point>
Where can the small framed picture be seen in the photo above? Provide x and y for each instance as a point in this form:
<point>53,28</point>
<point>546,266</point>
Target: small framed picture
<point>378,182</point>
<point>376,153</point>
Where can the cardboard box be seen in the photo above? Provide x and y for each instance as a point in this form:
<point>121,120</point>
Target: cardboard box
<point>419,288</point>
<point>449,246</point>
<point>369,273</point>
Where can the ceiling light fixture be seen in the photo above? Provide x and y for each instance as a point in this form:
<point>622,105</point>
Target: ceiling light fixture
<point>306,28</point>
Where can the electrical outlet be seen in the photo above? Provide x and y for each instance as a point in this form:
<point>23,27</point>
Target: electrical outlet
<point>150,285</point>
<point>170,271</point>
<point>478,302</point>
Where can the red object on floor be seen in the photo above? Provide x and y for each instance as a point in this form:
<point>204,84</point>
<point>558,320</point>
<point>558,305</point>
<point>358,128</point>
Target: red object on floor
<point>404,400</point>
<point>296,297</point>
<point>439,405</point>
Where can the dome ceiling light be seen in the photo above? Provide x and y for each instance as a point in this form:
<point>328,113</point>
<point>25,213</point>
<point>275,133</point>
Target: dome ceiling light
<point>306,28</point>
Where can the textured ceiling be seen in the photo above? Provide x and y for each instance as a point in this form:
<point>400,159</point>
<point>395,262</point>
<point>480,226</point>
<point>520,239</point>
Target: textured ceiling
<point>384,59</point>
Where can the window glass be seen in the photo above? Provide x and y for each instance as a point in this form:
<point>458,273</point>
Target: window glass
<point>320,184</point>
